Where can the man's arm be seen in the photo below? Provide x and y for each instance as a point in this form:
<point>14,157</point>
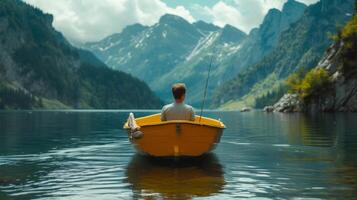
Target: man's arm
<point>192,114</point>
<point>163,115</point>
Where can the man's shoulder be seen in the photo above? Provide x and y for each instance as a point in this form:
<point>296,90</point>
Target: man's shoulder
<point>167,106</point>
<point>188,107</point>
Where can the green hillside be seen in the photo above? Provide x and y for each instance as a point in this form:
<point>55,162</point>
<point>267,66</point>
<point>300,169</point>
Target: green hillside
<point>40,69</point>
<point>301,46</point>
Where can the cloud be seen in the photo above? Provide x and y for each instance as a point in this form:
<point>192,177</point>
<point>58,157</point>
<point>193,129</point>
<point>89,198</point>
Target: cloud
<point>308,2</point>
<point>91,20</point>
<point>244,14</point>
<point>223,13</point>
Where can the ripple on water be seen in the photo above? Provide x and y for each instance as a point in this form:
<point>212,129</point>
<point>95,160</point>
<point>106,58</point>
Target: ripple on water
<point>86,155</point>
<point>92,169</point>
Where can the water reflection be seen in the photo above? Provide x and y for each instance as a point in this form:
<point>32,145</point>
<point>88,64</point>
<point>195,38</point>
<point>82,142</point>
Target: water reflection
<point>175,179</point>
<point>86,155</point>
<point>318,130</point>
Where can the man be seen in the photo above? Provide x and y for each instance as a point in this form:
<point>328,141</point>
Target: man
<point>178,110</point>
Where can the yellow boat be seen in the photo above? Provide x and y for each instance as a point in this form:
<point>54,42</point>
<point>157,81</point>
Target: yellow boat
<point>175,138</point>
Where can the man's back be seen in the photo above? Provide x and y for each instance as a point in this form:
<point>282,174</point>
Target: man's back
<point>177,111</point>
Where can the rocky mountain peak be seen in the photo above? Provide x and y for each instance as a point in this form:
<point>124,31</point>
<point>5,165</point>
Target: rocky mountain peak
<point>134,28</point>
<point>176,23</point>
<point>292,5</point>
<point>271,15</point>
<point>291,12</point>
<point>172,19</point>
<point>205,27</point>
<point>276,21</point>
<point>232,34</point>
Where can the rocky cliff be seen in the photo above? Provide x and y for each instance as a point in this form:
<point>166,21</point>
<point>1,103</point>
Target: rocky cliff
<point>340,94</point>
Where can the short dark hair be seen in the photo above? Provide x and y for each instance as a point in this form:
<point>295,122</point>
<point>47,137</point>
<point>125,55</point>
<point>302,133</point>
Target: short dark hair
<point>178,90</point>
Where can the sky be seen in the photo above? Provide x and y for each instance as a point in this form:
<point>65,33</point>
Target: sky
<point>92,20</point>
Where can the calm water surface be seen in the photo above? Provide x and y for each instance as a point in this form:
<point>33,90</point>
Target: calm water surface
<point>86,155</point>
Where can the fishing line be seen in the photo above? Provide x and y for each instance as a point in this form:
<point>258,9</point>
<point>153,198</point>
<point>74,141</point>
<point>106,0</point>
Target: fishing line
<point>205,92</point>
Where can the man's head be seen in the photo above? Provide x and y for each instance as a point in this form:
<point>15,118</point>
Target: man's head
<point>179,92</point>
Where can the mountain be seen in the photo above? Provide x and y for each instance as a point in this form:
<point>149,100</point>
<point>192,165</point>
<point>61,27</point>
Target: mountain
<point>264,39</point>
<point>220,45</point>
<point>40,69</point>
<point>150,53</point>
<point>300,46</point>
<point>332,85</point>
<point>174,50</point>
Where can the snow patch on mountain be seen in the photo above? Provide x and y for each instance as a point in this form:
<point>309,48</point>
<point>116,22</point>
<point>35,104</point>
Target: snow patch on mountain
<point>203,43</point>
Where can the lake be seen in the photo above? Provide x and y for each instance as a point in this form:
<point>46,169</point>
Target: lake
<point>87,155</point>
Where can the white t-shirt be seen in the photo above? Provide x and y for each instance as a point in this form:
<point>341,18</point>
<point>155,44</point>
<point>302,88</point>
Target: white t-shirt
<point>177,111</point>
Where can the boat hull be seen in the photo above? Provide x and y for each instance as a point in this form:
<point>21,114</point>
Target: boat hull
<point>177,138</point>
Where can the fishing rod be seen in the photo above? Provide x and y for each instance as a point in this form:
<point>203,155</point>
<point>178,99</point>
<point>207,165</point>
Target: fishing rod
<point>205,92</point>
